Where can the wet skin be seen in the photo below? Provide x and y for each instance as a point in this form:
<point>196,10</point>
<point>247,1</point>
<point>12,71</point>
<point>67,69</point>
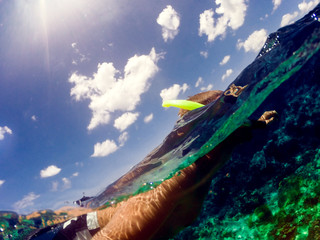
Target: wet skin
<point>162,212</point>
<point>175,203</point>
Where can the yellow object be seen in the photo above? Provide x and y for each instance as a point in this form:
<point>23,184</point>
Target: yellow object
<point>184,104</point>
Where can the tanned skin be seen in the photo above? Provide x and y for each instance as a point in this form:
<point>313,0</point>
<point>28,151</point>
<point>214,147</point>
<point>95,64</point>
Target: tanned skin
<point>162,212</point>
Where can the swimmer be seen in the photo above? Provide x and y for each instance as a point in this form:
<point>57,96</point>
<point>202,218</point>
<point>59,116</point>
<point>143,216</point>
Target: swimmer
<point>162,212</point>
<point>203,98</point>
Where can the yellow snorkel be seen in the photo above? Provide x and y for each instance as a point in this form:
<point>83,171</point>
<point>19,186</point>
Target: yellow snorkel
<point>184,104</point>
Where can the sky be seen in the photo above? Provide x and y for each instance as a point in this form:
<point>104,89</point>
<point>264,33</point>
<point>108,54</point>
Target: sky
<point>82,83</point>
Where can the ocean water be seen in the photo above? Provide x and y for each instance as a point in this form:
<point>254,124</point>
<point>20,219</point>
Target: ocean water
<point>286,54</point>
<point>269,188</point>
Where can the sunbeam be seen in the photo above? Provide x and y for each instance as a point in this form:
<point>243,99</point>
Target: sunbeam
<point>43,18</point>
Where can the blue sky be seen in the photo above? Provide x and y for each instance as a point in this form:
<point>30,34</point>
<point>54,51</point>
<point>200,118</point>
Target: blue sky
<point>82,83</point>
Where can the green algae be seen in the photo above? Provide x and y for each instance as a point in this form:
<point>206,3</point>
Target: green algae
<point>16,227</point>
<point>291,211</point>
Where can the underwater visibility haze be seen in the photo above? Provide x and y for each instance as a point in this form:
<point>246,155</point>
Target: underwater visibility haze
<point>269,189</point>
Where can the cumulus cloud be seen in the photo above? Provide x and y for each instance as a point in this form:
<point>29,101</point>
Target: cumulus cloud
<point>123,138</point>
<point>169,20</point>
<point>225,60</point>
<point>34,118</point>
<point>254,42</point>
<point>108,92</point>
<point>173,91</point>
<point>227,74</point>
<point>288,18</point>
<point>1,182</point>
<point>199,81</point>
<point>125,120</point>
<point>304,7</point>
<point>4,130</point>
<point>231,15</point>
<point>148,118</point>
<point>207,25</point>
<point>105,148</point>
<point>276,4</point>
<point>26,201</point>
<point>50,171</point>
<point>76,174</point>
<point>204,54</point>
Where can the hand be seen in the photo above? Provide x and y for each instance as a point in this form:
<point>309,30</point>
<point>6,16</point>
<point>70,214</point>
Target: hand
<point>268,116</point>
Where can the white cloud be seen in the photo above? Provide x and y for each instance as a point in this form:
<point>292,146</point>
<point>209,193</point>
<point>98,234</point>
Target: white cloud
<point>204,54</point>
<point>4,130</point>
<point>125,120</point>
<point>254,42</point>
<point>50,171</point>
<point>207,25</point>
<point>207,88</point>
<point>276,4</point>
<point>231,15</point>
<point>105,148</point>
<point>34,118</point>
<point>123,138</point>
<point>288,18</point>
<point>304,7</point>
<point>2,182</point>
<point>108,92</point>
<point>227,74</point>
<point>203,89</point>
<point>199,81</point>
<point>173,91</point>
<point>26,201</point>
<point>169,20</point>
<point>148,118</point>
<point>225,60</point>
<point>66,183</point>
